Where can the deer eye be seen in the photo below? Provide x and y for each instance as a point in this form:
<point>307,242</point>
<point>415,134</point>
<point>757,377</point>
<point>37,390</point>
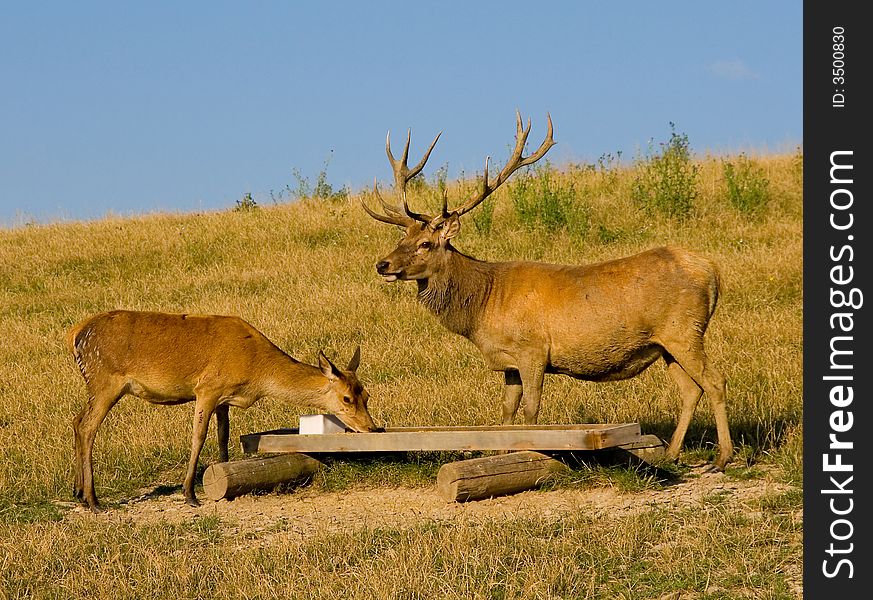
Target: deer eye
<point>348,400</point>
<point>425,245</point>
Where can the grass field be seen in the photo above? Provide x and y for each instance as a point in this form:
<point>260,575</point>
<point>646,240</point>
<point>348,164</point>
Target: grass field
<point>303,273</point>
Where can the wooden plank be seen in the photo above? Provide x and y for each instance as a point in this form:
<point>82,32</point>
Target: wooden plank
<point>231,479</point>
<point>490,476</point>
<point>567,427</point>
<point>595,436</point>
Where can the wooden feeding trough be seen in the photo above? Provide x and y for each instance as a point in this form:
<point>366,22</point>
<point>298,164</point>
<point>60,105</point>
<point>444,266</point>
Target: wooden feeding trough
<point>521,466</point>
<point>410,439</point>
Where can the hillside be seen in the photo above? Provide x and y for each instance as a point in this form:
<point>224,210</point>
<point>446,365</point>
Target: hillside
<point>303,273</point>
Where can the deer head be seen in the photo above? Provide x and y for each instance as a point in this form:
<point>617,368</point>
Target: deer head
<point>346,396</point>
<point>426,241</point>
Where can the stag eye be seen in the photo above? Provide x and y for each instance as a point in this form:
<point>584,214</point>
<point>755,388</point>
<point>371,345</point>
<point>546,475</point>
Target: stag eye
<point>347,400</point>
<point>425,245</point>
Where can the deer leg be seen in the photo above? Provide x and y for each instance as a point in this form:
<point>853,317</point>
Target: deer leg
<point>85,425</point>
<point>532,385</point>
<point>511,395</point>
<point>78,490</point>
<point>223,421</point>
<point>203,410</point>
<point>713,383</point>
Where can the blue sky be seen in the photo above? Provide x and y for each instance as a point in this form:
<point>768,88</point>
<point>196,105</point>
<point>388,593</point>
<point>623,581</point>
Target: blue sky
<point>129,108</point>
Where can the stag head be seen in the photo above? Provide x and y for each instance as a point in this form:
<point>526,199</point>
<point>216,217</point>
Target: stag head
<point>426,241</point>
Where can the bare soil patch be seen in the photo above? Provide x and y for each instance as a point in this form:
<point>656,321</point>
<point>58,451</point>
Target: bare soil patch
<point>306,512</point>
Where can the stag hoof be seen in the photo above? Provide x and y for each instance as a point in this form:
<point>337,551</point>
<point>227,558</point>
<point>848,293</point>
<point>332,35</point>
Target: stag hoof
<point>192,501</point>
<point>719,465</point>
<point>95,508</point>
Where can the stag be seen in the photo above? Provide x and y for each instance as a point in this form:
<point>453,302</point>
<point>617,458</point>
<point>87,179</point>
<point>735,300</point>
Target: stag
<point>606,321</point>
<point>213,361</point>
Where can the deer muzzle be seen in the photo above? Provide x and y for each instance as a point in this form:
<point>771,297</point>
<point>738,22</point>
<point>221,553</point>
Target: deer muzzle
<point>383,268</point>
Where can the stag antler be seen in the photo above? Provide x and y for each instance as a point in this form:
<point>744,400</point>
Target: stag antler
<point>515,162</point>
<point>392,216</point>
<point>402,175</point>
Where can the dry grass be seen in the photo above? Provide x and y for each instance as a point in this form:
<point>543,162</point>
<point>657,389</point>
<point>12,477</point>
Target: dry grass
<point>303,274</point>
<point>635,557</point>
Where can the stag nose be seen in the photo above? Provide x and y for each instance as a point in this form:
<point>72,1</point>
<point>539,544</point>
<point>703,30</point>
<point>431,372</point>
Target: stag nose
<point>381,266</point>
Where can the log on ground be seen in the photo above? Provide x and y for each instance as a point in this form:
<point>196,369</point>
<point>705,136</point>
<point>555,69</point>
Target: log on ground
<point>261,474</point>
<point>498,475</point>
<point>648,449</point>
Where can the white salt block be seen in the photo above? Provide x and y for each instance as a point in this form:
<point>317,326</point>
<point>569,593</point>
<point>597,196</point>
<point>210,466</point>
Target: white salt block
<point>317,424</point>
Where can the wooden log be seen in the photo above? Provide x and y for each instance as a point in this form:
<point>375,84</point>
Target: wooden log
<point>231,479</point>
<point>649,449</point>
<point>498,475</point>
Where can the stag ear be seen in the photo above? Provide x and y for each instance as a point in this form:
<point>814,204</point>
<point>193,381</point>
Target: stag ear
<point>450,228</point>
<point>356,360</point>
<point>328,369</point>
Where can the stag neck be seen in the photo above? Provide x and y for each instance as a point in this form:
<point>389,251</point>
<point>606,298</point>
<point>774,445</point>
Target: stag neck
<point>457,294</point>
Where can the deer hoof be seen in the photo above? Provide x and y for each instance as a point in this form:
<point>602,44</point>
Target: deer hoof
<point>192,501</point>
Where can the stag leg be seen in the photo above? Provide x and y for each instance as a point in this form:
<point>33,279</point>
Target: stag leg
<point>690,393</point>
<point>223,420</point>
<point>715,389</point>
<point>85,427</point>
<point>532,378</point>
<point>511,395</point>
<point>203,409</point>
<point>712,383</point>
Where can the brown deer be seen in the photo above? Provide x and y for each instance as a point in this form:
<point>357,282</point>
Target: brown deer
<point>600,322</point>
<point>213,361</point>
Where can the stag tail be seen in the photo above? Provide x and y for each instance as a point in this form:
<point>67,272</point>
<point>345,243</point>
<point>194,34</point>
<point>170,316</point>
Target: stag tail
<point>715,288</point>
<point>708,278</point>
<point>76,337</point>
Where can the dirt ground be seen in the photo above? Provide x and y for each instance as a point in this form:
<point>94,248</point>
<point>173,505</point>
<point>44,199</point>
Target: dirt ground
<point>306,512</point>
<point>280,518</point>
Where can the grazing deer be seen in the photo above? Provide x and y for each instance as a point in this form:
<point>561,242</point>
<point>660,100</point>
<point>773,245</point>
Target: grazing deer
<point>600,322</point>
<point>214,361</point>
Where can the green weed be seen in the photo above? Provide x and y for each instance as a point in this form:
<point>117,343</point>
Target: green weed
<point>320,190</point>
<point>666,180</point>
<point>747,185</point>
<point>247,204</point>
<point>543,202</point>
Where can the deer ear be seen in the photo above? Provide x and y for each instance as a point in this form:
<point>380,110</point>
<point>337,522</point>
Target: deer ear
<point>451,227</point>
<point>327,368</point>
<point>356,360</point>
